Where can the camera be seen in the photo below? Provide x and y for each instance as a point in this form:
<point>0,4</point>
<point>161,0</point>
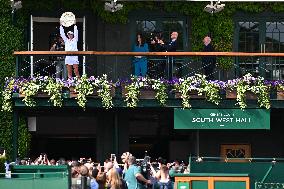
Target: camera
<point>145,166</point>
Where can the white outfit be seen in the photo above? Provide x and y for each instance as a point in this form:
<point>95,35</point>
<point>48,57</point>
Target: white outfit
<point>70,45</point>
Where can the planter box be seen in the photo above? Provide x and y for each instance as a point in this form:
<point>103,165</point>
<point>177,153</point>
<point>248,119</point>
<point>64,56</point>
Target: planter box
<point>144,93</point>
<point>73,94</point>
<point>280,95</point>
<point>193,95</point>
<point>39,95</point>
<point>233,95</point>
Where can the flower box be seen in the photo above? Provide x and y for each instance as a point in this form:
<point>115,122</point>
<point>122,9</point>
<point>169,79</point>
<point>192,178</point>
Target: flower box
<point>193,95</point>
<point>144,93</point>
<point>280,95</point>
<point>38,95</point>
<point>232,94</point>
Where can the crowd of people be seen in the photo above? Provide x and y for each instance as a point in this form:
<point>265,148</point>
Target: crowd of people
<point>132,173</point>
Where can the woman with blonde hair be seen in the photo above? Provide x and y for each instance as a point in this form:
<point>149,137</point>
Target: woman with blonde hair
<point>115,181</point>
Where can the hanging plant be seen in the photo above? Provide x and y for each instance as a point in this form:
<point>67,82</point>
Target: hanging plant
<point>54,88</point>
<point>160,86</point>
<point>255,85</point>
<point>83,87</point>
<point>9,88</point>
<point>104,91</point>
<point>133,90</point>
<point>185,86</point>
<point>31,88</point>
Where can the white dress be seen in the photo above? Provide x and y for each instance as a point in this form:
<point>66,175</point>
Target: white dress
<point>70,45</point>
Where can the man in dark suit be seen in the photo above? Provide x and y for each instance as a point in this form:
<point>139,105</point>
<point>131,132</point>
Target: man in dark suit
<point>208,62</point>
<point>170,47</point>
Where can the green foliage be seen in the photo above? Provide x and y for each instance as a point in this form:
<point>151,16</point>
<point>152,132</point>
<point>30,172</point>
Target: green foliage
<point>11,39</point>
<point>2,166</point>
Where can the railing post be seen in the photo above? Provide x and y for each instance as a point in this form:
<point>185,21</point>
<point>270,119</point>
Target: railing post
<point>17,66</point>
<point>32,66</point>
<point>15,134</point>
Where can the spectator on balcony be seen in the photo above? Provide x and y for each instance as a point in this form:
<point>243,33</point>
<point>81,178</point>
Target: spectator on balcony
<point>171,46</point>
<point>208,62</point>
<point>140,62</point>
<point>58,45</point>
<point>71,45</point>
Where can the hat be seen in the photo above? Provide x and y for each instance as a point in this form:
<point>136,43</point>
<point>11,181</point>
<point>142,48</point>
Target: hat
<point>70,32</point>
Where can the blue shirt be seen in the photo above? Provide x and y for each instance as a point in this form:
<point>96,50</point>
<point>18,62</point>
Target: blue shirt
<point>94,184</point>
<point>141,48</point>
<point>130,177</point>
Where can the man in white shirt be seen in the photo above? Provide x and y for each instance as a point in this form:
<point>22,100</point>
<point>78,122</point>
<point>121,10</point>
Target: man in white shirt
<point>71,45</point>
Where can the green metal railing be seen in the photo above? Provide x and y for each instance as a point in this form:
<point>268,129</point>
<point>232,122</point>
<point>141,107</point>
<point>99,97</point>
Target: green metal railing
<point>47,180</point>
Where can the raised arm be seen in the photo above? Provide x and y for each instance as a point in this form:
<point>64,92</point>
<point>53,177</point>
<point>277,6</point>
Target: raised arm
<point>62,34</point>
<point>76,32</point>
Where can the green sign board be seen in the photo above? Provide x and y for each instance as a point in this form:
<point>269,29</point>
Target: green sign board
<point>221,119</point>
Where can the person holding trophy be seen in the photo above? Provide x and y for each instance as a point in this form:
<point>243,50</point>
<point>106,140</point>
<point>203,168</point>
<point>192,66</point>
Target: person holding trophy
<point>68,19</point>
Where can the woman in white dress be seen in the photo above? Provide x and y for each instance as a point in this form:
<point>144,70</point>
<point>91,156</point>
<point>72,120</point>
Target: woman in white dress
<point>71,45</point>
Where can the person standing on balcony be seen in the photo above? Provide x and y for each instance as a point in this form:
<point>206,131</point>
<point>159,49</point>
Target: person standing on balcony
<point>208,62</point>
<point>71,45</point>
<point>58,45</point>
<point>140,62</point>
<point>170,47</point>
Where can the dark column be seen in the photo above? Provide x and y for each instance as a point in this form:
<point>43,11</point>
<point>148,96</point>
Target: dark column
<point>15,134</point>
<point>123,133</point>
<point>105,135</point>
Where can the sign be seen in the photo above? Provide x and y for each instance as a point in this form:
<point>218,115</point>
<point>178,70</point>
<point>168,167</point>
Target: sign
<point>221,119</point>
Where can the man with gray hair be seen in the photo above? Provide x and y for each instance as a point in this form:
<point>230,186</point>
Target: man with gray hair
<point>132,175</point>
<point>208,62</point>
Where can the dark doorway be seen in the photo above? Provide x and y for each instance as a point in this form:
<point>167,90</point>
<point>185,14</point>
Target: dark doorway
<point>65,147</point>
<point>154,147</point>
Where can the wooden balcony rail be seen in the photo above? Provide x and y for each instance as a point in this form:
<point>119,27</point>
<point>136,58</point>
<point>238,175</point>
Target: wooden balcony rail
<point>115,53</point>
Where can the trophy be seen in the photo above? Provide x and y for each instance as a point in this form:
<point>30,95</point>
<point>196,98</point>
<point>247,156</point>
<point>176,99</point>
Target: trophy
<point>67,19</point>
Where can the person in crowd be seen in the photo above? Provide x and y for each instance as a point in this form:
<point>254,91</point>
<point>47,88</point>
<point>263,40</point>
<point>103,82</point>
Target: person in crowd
<point>52,162</point>
<point>164,180</point>
<point>42,160</point>
<point>58,45</point>
<point>115,181</point>
<point>208,62</point>
<point>133,176</point>
<point>94,183</point>
<point>140,62</point>
<point>71,45</point>
<point>101,179</point>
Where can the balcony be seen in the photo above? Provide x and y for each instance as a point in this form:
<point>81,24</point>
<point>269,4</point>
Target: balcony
<point>180,82</point>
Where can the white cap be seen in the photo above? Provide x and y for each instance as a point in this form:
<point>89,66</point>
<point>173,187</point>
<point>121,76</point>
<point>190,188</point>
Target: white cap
<point>70,32</point>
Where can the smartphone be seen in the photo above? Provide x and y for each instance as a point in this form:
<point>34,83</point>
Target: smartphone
<point>112,157</point>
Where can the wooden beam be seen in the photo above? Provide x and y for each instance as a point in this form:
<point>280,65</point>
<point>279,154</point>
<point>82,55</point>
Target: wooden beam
<point>114,53</point>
